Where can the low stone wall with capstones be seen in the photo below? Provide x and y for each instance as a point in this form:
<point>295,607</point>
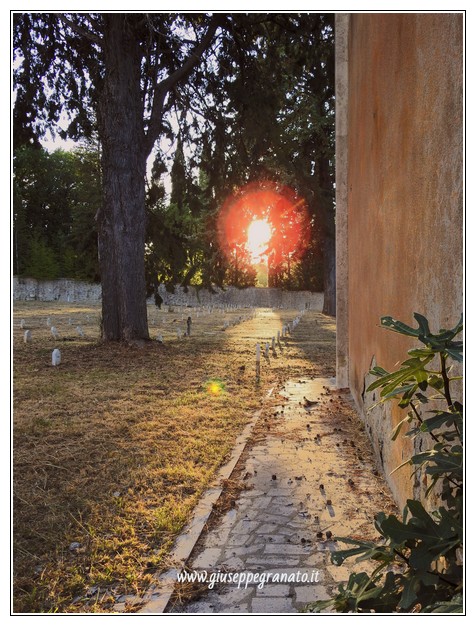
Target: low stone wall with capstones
<point>266,297</point>
<point>64,290</point>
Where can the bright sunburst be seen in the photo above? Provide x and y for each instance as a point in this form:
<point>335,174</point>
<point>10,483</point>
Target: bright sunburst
<point>259,234</point>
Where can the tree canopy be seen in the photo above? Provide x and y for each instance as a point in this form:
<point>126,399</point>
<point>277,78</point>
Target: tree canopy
<point>241,98</point>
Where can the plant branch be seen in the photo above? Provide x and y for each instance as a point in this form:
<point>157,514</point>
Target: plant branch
<point>420,421</point>
<point>446,381</point>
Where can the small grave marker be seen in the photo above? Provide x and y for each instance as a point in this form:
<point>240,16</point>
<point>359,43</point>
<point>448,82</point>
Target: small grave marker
<point>79,330</point>
<point>54,332</point>
<point>56,357</point>
<point>27,336</point>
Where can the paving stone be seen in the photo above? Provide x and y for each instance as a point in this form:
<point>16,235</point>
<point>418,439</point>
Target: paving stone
<point>245,526</point>
<point>243,550</point>
<point>247,513</point>
<point>238,540</point>
<point>272,605</point>
<point>197,607</point>
<point>290,573</point>
<point>271,561</point>
<point>234,563</point>
<point>278,491</point>
<point>282,511</point>
<point>282,591</point>
<point>236,608</point>
<point>261,503</point>
<point>267,528</point>
<point>282,501</point>
<point>207,558</point>
<point>285,548</point>
<point>274,519</point>
<point>252,493</point>
<point>218,537</point>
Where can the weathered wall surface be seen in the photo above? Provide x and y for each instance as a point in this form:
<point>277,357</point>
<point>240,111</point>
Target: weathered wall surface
<point>405,195</point>
<point>78,291</point>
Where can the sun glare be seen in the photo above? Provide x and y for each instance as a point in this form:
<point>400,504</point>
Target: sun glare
<point>215,387</point>
<point>259,234</point>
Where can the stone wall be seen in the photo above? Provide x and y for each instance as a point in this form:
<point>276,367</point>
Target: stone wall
<point>252,297</point>
<point>78,291</point>
<point>403,207</point>
<point>63,290</point>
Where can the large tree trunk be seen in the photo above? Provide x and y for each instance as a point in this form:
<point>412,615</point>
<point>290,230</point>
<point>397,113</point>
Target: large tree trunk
<point>121,220</point>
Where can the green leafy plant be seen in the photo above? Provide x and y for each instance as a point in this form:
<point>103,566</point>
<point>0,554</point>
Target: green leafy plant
<point>418,559</point>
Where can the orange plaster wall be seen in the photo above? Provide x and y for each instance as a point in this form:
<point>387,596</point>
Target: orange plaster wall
<point>405,194</point>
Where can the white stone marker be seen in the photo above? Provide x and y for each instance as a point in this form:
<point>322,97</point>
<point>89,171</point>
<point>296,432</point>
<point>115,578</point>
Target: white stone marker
<point>22,323</point>
<point>159,338</point>
<point>54,332</point>
<point>48,321</point>
<point>56,357</point>
<point>79,330</point>
<point>27,336</point>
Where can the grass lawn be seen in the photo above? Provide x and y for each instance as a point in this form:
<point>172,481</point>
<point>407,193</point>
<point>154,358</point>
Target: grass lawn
<point>113,448</point>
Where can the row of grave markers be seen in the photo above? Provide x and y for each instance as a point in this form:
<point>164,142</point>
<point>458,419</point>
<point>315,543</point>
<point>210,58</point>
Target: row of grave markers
<point>56,354</point>
<point>226,324</point>
<point>28,337</point>
<point>284,332</point>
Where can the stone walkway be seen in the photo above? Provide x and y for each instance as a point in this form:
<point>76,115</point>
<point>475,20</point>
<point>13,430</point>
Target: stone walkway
<point>308,475</point>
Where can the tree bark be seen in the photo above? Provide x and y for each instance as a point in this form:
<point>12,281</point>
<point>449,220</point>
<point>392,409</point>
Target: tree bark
<point>122,217</point>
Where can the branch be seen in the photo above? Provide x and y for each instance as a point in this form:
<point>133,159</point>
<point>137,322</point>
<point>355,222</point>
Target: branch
<point>81,31</point>
<point>165,86</point>
<point>446,381</point>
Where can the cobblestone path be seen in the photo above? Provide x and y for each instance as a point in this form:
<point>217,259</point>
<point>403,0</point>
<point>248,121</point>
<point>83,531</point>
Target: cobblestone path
<point>307,476</point>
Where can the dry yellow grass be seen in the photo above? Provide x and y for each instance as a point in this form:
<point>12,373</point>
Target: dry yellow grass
<point>113,448</point>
